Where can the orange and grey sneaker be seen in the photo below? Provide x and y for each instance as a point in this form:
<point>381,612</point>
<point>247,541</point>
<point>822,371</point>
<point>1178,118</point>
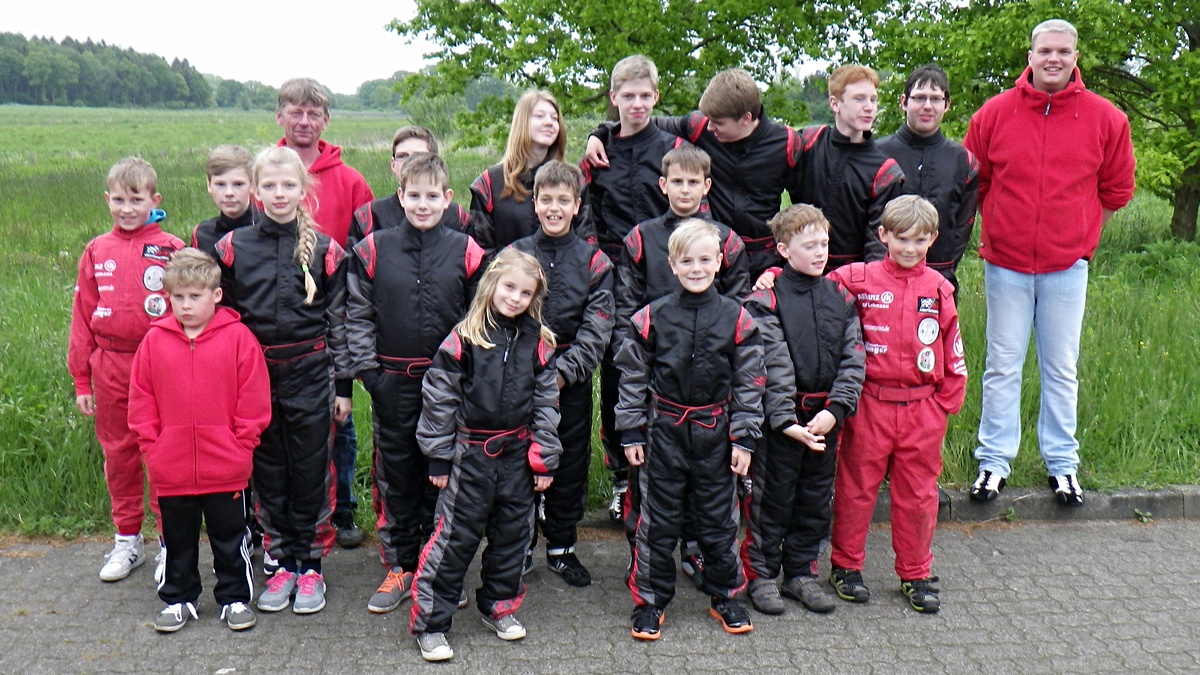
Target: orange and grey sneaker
<point>394,589</point>
<point>733,617</point>
<point>646,622</point>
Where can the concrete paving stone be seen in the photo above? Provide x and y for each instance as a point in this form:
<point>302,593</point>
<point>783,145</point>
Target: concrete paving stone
<point>1005,587</point>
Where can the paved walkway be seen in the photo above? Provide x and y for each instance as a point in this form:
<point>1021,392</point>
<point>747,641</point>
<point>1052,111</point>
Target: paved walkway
<point>1031,597</point>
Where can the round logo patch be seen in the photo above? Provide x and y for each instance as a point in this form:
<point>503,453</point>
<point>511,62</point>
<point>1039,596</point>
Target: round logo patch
<point>927,330</point>
<point>887,297</point>
<point>958,345</point>
<point>110,265</point>
<point>926,360</point>
<point>152,278</point>
<point>155,305</point>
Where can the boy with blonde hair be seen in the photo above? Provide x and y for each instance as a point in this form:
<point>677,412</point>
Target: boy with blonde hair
<point>690,413</point>
<point>200,398</point>
<point>815,361</point>
<point>916,376</point>
<point>119,291</point>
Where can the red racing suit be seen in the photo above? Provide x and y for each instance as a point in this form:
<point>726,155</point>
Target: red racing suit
<point>118,293</point>
<point>916,376</point>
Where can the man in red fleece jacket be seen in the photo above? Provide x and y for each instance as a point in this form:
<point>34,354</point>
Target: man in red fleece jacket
<point>303,113</point>
<point>1056,162</point>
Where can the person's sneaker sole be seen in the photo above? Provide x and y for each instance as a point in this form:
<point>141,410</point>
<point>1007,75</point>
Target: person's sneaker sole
<point>859,594</point>
<point>730,629</point>
<point>515,632</point>
<point>766,600</point>
<point>641,635</point>
<point>442,652</point>
<point>247,622</point>
<point>811,604</point>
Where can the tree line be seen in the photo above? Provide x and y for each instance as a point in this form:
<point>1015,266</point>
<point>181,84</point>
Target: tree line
<point>95,74</point>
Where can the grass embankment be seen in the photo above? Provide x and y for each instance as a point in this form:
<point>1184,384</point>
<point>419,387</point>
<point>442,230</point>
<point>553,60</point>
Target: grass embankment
<point>1139,409</point>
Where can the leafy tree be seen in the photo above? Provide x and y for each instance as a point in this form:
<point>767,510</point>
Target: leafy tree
<point>1144,55</point>
<point>229,94</point>
<point>569,48</point>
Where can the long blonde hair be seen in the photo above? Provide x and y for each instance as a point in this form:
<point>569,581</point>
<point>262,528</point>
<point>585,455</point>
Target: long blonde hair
<point>480,317</point>
<point>520,144</point>
<point>306,227</point>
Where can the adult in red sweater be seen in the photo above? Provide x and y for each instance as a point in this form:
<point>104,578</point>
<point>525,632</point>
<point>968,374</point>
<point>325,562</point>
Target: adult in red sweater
<point>303,113</point>
<point>199,398</point>
<point>1055,163</point>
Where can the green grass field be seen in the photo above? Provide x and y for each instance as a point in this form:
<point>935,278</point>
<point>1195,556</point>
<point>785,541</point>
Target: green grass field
<point>1139,409</point>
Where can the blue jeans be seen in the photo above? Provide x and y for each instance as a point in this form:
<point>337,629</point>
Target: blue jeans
<point>345,456</point>
<point>1052,305</point>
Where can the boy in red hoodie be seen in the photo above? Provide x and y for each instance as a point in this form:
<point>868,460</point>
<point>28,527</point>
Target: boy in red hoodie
<point>198,400</point>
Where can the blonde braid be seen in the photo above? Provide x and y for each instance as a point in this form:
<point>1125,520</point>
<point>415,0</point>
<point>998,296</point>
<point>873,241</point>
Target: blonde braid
<point>306,243</point>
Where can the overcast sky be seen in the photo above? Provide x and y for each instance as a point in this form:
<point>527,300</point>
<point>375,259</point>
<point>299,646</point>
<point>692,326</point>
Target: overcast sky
<point>341,43</point>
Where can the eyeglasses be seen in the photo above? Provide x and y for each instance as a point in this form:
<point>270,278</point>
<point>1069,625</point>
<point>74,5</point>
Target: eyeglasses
<point>932,100</point>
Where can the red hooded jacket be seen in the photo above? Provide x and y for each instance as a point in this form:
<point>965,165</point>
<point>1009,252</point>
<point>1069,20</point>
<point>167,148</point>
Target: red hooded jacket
<point>199,405</point>
<point>340,190</point>
<point>1048,165</point>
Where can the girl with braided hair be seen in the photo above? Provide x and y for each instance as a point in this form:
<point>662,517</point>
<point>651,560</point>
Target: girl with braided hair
<point>288,282</point>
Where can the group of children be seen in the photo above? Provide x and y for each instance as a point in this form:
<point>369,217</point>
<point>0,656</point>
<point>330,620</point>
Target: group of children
<point>477,336</point>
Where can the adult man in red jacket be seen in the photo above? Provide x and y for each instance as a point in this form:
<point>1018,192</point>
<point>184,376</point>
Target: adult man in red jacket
<point>1056,162</point>
<point>303,113</point>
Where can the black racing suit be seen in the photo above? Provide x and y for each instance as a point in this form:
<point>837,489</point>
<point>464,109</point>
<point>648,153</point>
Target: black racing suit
<point>947,174</point>
<point>580,310</point>
<point>498,221</point>
<point>489,422</point>
<point>748,175</point>
<point>387,212</point>
<point>815,361</point>
<point>645,275</point>
<point>621,195</point>
<point>304,346</point>
<point>206,235</point>
<point>691,384</point>
<point>850,183</point>
<point>407,289</point>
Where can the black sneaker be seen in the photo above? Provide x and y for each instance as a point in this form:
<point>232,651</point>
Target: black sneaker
<point>848,584</point>
<point>527,566</point>
<point>646,622</point>
<point>733,617</point>
<point>567,564</point>
<point>922,594</point>
<point>987,487</point>
<point>348,534</point>
<point>1066,489</point>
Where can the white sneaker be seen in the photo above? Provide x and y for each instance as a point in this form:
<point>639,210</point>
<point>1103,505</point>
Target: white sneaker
<point>160,563</point>
<point>506,627</point>
<point>127,553</point>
